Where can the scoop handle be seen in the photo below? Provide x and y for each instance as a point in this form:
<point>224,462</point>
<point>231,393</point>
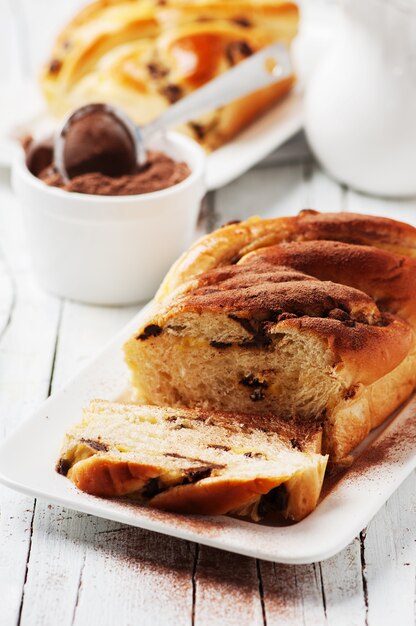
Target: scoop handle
<point>268,66</point>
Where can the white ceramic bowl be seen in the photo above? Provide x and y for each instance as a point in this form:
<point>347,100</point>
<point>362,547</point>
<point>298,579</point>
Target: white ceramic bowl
<point>110,249</point>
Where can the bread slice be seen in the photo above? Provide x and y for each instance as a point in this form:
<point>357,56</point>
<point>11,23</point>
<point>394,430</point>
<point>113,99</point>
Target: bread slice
<point>311,316</point>
<point>196,461</point>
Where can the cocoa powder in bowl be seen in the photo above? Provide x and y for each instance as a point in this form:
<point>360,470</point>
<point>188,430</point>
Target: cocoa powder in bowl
<point>160,172</point>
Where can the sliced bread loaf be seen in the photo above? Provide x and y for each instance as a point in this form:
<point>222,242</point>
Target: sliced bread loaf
<point>310,316</point>
<point>196,461</point>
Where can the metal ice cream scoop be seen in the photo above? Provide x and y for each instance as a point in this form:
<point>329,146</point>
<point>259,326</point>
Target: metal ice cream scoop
<point>102,138</point>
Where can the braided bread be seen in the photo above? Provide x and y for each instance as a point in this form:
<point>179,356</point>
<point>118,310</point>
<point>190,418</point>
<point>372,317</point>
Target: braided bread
<point>310,316</point>
<point>144,55</point>
<point>195,461</point>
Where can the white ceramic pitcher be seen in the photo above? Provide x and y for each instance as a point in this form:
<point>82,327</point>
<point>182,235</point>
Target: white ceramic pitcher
<point>360,105</point>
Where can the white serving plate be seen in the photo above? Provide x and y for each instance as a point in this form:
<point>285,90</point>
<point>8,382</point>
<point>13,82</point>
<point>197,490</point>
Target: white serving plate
<point>28,457</point>
<point>254,143</point>
<point>223,165</point>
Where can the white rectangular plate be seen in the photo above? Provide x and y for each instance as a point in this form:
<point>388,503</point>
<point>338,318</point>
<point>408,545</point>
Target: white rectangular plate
<point>28,458</point>
<point>253,144</point>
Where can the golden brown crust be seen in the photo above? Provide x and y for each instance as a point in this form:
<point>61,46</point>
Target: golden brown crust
<point>232,242</point>
<point>260,289</point>
<point>213,496</point>
<point>107,478</point>
<point>352,421</point>
<point>390,279</point>
<point>380,232</point>
<point>364,353</point>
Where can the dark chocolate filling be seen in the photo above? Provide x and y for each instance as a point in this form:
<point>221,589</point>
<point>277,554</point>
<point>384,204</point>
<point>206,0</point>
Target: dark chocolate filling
<point>63,466</point>
<point>152,330</point>
<point>260,338</point>
<point>251,381</point>
<point>199,130</point>
<point>191,476</point>
<point>220,344</point>
<point>255,455</point>
<point>196,474</point>
<point>152,488</point>
<point>55,66</point>
<point>215,446</point>
<point>237,51</point>
<point>275,501</point>
<point>241,21</point>
<point>96,445</point>
<point>172,93</point>
<point>156,70</point>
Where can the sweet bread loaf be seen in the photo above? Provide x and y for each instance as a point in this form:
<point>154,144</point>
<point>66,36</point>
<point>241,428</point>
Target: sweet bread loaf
<point>196,461</point>
<point>144,55</point>
<point>310,316</point>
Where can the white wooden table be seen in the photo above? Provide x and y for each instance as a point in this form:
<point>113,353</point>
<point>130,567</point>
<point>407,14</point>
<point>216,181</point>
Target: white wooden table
<point>61,567</point>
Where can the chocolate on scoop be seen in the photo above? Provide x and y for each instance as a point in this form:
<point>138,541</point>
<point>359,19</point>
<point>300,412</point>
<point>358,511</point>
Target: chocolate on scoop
<point>95,139</point>
<point>39,155</point>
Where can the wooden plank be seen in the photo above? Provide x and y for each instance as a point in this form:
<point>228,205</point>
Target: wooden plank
<point>322,192</point>
<point>208,219</point>
<point>55,564</point>
<point>226,589</point>
<point>132,576</point>
<point>272,192</point>
<point>27,347</point>
<point>389,559</point>
<point>387,549</point>
<point>292,594</point>
<point>267,192</point>
<point>295,150</point>
<point>31,317</point>
<point>402,210</point>
<point>60,537</point>
<point>342,587</point>
<point>100,572</point>
<point>16,512</point>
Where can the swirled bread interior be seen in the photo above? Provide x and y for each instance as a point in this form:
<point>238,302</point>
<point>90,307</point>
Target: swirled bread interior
<point>144,55</point>
<point>196,461</point>
<point>309,317</point>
